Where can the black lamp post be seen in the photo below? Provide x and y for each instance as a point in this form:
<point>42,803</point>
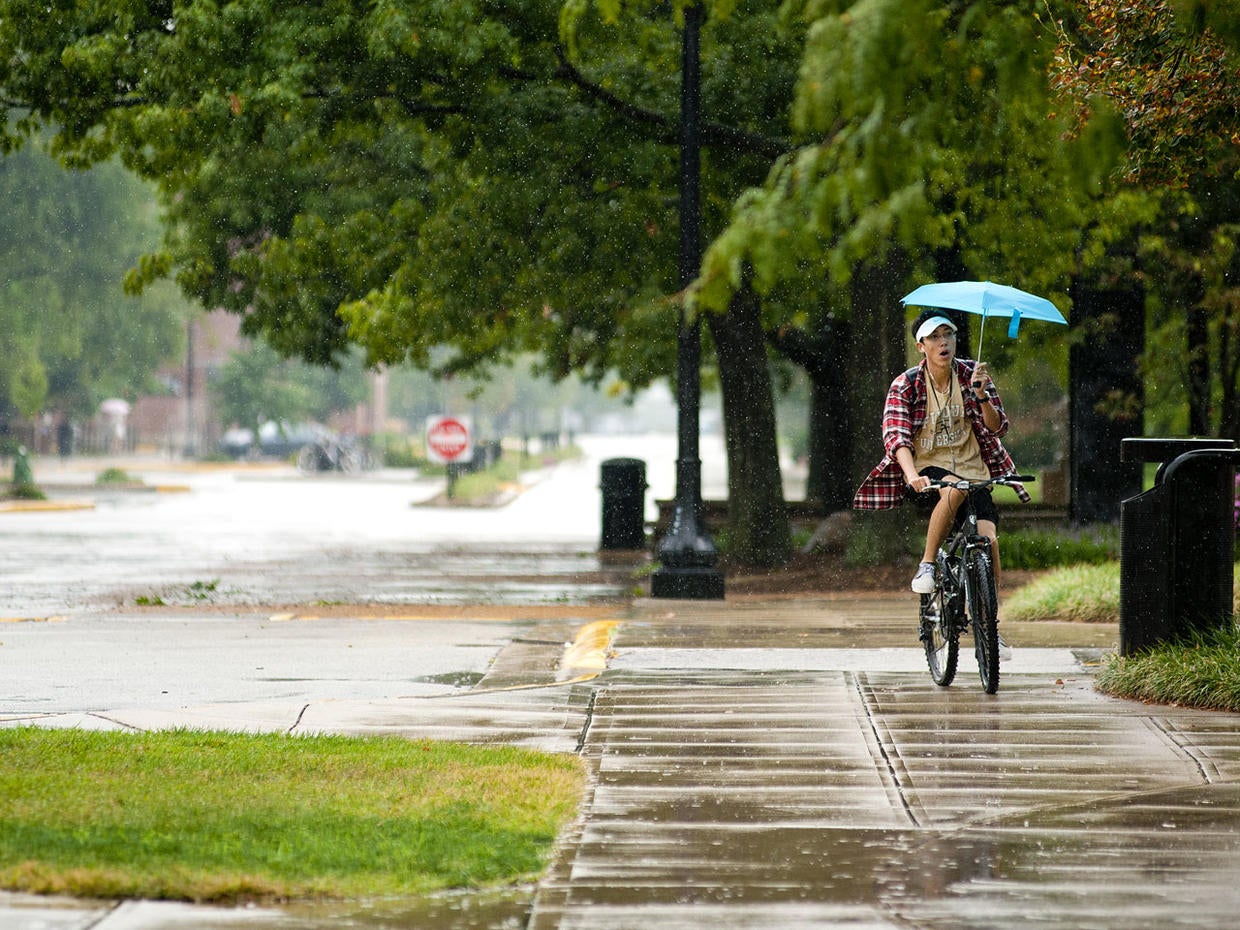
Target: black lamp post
<point>687,554</point>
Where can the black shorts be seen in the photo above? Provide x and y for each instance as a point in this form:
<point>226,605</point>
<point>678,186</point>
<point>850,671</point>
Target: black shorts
<point>983,503</point>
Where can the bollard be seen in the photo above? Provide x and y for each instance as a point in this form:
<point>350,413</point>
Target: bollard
<point>22,475</point>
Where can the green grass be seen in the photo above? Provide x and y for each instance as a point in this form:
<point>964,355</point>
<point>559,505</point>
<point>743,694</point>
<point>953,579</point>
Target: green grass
<point>1203,672</point>
<point>1040,549</point>
<point>115,476</point>
<point>1083,593</point>
<point>26,491</point>
<point>196,592</point>
<point>481,487</point>
<point>220,817</point>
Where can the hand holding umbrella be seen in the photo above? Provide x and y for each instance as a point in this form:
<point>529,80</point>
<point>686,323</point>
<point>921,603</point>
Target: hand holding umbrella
<point>981,377</point>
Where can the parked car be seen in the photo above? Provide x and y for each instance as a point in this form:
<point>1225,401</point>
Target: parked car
<point>283,439</point>
<point>237,442</point>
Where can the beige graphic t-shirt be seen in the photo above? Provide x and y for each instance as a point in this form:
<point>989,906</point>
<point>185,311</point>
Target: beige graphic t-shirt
<point>946,437</point>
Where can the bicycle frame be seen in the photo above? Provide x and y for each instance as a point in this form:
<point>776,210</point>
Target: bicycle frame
<point>964,597</point>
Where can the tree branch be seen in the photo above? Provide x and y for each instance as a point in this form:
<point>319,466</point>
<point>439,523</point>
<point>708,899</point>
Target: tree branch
<point>713,134</point>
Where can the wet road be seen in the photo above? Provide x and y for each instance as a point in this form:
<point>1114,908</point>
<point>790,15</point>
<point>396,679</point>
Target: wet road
<point>267,536</point>
<point>241,585</point>
<point>748,774</point>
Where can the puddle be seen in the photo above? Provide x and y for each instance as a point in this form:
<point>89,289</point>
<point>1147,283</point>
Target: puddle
<point>507,909</point>
<point>453,679</point>
<point>1157,859</point>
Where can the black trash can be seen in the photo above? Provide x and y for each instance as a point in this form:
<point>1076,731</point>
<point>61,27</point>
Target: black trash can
<point>623,482</point>
<point>1177,542</point>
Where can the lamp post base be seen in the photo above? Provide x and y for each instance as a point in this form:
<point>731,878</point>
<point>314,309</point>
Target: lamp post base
<point>690,584</point>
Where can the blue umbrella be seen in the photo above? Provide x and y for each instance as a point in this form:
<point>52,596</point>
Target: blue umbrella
<point>987,299</point>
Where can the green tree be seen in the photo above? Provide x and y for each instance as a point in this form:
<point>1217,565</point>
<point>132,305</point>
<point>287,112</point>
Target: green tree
<point>257,384</point>
<point>1168,69</point>
<point>932,152</point>
<point>493,177</point>
<point>1171,72</point>
<point>69,336</point>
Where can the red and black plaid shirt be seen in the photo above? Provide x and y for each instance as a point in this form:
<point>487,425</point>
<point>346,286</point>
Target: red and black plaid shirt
<point>903,415</point>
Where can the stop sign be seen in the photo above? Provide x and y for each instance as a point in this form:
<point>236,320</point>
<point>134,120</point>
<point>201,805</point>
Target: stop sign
<point>448,440</point>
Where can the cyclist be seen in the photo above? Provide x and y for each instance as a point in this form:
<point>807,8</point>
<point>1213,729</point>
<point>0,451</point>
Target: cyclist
<point>943,416</point>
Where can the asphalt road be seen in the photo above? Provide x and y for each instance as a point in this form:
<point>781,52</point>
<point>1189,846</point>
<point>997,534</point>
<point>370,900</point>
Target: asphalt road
<point>266,536</point>
<point>256,584</point>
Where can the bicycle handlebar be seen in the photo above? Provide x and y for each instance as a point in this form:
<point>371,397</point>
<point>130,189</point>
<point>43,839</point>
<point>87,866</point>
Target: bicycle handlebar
<point>964,484</point>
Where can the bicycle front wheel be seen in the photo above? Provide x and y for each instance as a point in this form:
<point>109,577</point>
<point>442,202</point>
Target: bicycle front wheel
<point>940,637</point>
<point>309,459</point>
<point>983,614</point>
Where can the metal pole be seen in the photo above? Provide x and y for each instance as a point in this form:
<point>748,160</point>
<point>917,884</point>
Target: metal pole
<point>191,401</point>
<point>687,554</point>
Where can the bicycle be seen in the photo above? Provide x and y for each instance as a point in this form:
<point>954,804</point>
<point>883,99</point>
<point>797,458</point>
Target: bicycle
<point>346,454</point>
<point>964,596</point>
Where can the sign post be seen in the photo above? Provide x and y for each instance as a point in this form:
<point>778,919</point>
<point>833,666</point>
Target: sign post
<point>449,442</point>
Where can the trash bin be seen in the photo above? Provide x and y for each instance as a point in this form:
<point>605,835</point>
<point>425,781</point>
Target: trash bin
<point>1177,542</point>
<point>623,482</point>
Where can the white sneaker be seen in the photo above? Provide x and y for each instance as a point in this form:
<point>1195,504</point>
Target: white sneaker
<point>1005,651</point>
<point>923,581</point>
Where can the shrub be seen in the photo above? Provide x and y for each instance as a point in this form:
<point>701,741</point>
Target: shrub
<point>115,476</point>
<point>26,491</point>
<point>1203,671</point>
<point>1039,549</point>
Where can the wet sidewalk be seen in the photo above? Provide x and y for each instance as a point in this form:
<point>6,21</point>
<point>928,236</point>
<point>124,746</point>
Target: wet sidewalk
<point>857,794</point>
<point>789,764</point>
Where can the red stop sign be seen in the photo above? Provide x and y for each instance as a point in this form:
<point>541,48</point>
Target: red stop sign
<point>447,439</point>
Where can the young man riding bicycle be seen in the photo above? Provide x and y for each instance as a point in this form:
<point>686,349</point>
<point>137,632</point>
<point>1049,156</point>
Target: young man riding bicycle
<point>943,416</point>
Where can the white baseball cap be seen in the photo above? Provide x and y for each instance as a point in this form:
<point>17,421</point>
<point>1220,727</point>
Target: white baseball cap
<point>933,323</point>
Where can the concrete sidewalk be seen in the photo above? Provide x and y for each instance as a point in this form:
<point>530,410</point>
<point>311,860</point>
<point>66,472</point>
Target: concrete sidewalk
<point>789,764</point>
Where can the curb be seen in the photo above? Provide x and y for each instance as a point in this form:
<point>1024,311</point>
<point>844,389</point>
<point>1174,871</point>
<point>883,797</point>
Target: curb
<point>589,650</point>
<point>44,506</point>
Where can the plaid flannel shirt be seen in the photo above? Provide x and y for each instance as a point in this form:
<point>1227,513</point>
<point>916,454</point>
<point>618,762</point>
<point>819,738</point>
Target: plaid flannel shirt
<point>903,415</point>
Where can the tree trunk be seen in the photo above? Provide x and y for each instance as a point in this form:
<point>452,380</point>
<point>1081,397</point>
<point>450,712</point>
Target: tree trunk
<point>878,352</point>
<point>1197,339</point>
<point>758,531</point>
<point>824,357</point>
<point>1106,399</point>
<point>1229,376</point>
<point>949,266</point>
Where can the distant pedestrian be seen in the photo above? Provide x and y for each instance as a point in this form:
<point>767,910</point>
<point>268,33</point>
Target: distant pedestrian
<point>64,436</point>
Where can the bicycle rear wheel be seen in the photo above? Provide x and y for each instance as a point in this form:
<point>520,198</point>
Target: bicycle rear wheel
<point>983,614</point>
<point>940,636</point>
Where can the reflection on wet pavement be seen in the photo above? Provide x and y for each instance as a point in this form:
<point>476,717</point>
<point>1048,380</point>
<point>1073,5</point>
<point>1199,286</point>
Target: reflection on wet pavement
<point>762,798</point>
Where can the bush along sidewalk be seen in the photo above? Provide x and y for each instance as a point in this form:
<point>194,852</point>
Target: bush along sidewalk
<point>1203,671</point>
<point>23,486</point>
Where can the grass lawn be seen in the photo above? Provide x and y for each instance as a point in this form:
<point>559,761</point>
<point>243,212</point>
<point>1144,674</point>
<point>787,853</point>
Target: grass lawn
<point>1083,593</point>
<point>1204,672</point>
<point>223,817</point>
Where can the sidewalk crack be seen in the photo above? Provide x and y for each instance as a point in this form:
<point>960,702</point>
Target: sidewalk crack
<point>1179,741</point>
<point>300,714</point>
<point>885,753</point>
